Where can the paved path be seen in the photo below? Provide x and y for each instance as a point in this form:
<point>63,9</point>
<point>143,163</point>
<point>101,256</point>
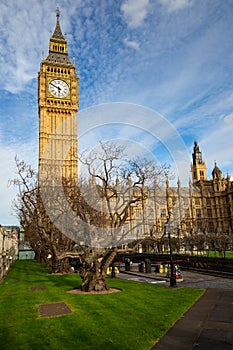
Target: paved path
<point>208,324</point>
<point>190,279</point>
<point>198,280</point>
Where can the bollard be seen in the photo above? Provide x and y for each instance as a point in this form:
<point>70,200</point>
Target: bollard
<point>148,265</point>
<point>141,267</point>
<point>127,264</point>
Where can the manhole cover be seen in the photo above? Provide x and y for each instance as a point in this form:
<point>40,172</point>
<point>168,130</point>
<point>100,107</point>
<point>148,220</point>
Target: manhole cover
<point>38,288</point>
<point>54,309</point>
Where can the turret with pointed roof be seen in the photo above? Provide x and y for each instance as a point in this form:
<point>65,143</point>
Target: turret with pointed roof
<point>58,52</point>
<point>198,166</point>
<point>216,173</point>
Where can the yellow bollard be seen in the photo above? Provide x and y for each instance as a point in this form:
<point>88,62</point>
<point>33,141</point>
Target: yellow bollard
<point>161,269</point>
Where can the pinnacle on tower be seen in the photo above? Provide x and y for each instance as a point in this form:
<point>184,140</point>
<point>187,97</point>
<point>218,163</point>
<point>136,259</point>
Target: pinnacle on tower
<point>57,32</point>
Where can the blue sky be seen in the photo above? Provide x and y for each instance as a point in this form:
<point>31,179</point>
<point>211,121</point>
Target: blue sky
<point>173,57</point>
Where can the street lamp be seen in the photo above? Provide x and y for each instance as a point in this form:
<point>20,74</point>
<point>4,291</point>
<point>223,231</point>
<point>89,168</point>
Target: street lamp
<point>172,275</point>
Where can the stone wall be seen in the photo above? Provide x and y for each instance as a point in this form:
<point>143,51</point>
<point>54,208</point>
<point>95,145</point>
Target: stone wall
<point>9,248</point>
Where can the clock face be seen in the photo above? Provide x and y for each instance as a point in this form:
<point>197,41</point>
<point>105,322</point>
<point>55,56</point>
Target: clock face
<point>58,88</point>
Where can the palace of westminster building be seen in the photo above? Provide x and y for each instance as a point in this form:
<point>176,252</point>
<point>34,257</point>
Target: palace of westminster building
<point>206,205</point>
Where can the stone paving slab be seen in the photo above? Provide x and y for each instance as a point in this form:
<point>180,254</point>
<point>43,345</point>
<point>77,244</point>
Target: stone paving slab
<point>208,325</point>
<point>222,313</point>
<point>214,339</point>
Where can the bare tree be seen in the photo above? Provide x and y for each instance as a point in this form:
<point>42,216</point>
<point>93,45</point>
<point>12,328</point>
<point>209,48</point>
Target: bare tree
<point>90,220</point>
<point>118,189</point>
<point>44,237</point>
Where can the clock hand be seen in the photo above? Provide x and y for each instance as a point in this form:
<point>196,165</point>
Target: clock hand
<point>53,85</point>
<point>57,87</point>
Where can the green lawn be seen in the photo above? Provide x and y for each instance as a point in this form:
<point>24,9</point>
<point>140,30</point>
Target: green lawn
<point>211,254</point>
<point>132,319</point>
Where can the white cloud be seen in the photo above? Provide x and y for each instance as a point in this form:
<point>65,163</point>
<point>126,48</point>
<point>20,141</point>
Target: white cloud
<point>175,5</point>
<point>133,44</point>
<point>7,194</point>
<point>228,119</point>
<point>217,145</point>
<point>21,36</point>
<point>135,12</point>
<point>138,126</point>
<point>24,33</point>
<point>24,151</point>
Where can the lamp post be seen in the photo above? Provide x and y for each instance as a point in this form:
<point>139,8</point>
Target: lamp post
<point>170,204</point>
<point>172,276</point>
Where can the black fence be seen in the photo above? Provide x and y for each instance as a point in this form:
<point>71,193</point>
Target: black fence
<point>195,263</point>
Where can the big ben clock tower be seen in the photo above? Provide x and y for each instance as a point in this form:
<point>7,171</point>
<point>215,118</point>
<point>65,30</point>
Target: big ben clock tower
<point>58,107</point>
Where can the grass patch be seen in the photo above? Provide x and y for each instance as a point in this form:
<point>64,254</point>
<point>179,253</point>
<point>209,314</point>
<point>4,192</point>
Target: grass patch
<point>132,319</point>
<point>212,254</point>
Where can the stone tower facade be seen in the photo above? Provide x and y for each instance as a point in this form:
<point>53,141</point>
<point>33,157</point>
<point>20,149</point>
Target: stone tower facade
<point>58,107</point>
<point>198,166</point>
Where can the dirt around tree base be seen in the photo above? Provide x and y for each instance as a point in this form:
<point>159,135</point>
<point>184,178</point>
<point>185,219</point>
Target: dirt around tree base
<point>79,291</point>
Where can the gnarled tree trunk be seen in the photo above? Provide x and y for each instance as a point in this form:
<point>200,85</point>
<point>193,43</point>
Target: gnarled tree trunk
<point>61,265</point>
<point>93,278</point>
<point>94,265</point>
